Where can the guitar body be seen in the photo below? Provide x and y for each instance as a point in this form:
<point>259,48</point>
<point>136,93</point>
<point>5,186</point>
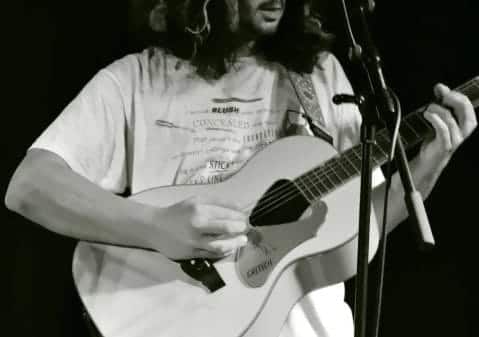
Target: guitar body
<point>137,293</point>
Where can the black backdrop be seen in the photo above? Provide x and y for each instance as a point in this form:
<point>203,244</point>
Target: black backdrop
<point>55,47</point>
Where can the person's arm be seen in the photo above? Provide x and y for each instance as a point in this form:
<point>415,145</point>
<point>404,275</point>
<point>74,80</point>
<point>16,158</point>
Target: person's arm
<point>45,190</point>
<point>453,120</point>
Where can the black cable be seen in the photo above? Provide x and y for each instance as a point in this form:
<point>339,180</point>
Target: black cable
<point>381,255</point>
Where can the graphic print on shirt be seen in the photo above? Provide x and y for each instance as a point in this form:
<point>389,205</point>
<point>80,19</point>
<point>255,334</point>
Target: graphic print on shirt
<point>226,132</point>
<point>208,130</point>
<point>167,124</point>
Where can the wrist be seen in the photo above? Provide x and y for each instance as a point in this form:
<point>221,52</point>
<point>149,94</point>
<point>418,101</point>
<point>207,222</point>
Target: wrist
<point>147,226</point>
<point>157,235</point>
<point>426,172</point>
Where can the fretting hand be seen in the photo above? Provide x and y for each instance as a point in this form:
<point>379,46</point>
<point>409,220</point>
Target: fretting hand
<point>453,119</point>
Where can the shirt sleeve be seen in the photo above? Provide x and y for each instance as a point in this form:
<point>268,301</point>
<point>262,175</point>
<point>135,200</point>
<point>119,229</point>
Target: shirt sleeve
<point>89,134</point>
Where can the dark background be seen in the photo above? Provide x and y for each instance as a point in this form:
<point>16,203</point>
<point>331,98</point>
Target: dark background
<point>54,47</point>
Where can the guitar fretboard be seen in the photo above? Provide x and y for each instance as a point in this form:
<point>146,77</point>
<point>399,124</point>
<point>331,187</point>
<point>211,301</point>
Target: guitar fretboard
<point>323,179</point>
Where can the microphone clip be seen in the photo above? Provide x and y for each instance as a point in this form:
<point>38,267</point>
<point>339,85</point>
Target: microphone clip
<point>349,99</point>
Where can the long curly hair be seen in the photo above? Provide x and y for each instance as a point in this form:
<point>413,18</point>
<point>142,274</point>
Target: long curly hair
<point>201,31</point>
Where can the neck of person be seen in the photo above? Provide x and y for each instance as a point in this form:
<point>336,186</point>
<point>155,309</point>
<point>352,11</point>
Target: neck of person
<point>245,44</point>
<point>246,49</point>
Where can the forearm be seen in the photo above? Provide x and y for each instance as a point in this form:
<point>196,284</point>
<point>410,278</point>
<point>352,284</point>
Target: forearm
<point>424,180</point>
<point>45,190</point>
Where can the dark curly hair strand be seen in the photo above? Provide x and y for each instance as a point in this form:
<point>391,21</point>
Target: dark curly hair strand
<point>296,44</point>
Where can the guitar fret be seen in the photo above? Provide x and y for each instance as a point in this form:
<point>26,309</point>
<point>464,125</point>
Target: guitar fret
<point>470,89</point>
<point>356,157</point>
<point>307,184</point>
<point>356,152</point>
<point>404,140</point>
<point>322,182</point>
<point>302,187</point>
<point>314,187</point>
<point>470,86</point>
<point>354,168</point>
<point>320,178</point>
<point>410,127</point>
<point>475,86</point>
<point>325,179</point>
<point>343,173</point>
<point>382,141</point>
<point>378,146</point>
<point>409,135</point>
<point>375,162</point>
<point>414,125</point>
<point>423,125</point>
<point>377,154</point>
<point>334,176</point>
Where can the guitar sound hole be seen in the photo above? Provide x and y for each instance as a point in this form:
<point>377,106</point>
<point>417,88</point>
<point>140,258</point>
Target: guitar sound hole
<point>281,203</point>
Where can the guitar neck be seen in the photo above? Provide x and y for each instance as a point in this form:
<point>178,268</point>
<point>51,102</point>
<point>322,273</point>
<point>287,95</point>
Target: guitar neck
<point>335,172</point>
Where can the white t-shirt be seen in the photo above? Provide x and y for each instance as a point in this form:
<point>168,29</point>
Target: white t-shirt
<point>149,120</point>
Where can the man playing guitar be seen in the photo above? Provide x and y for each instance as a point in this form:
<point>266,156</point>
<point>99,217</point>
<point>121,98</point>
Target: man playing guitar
<point>193,110</point>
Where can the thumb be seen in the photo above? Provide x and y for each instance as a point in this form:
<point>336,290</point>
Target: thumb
<point>440,90</point>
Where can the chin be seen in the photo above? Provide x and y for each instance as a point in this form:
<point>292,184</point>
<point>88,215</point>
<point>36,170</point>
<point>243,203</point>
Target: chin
<point>266,28</point>
<point>270,30</point>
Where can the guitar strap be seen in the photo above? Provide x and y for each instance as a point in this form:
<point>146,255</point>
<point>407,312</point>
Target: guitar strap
<point>304,89</point>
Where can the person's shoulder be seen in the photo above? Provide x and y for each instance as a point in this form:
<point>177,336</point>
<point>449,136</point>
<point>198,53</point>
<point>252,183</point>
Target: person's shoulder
<point>135,66</point>
<point>328,62</point>
<point>330,70</point>
<point>134,62</point>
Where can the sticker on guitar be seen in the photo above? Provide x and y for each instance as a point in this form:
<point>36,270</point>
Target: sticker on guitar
<point>255,260</point>
<point>267,245</point>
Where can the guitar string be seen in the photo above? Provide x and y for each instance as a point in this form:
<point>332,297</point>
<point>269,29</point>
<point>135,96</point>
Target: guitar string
<point>316,176</point>
<point>320,173</point>
<point>319,177</point>
<point>290,194</point>
<point>337,163</point>
<point>468,85</point>
<point>293,193</point>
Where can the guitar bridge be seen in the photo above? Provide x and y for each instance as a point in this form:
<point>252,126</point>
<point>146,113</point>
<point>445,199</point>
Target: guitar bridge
<point>203,271</point>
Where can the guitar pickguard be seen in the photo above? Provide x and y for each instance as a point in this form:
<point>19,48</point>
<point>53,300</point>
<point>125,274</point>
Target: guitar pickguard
<point>276,231</point>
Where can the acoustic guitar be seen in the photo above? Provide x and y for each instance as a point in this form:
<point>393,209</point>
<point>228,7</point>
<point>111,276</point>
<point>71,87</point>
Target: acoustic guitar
<point>304,216</point>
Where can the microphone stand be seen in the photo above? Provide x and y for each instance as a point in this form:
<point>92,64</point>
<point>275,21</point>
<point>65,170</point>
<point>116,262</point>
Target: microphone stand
<point>376,105</point>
